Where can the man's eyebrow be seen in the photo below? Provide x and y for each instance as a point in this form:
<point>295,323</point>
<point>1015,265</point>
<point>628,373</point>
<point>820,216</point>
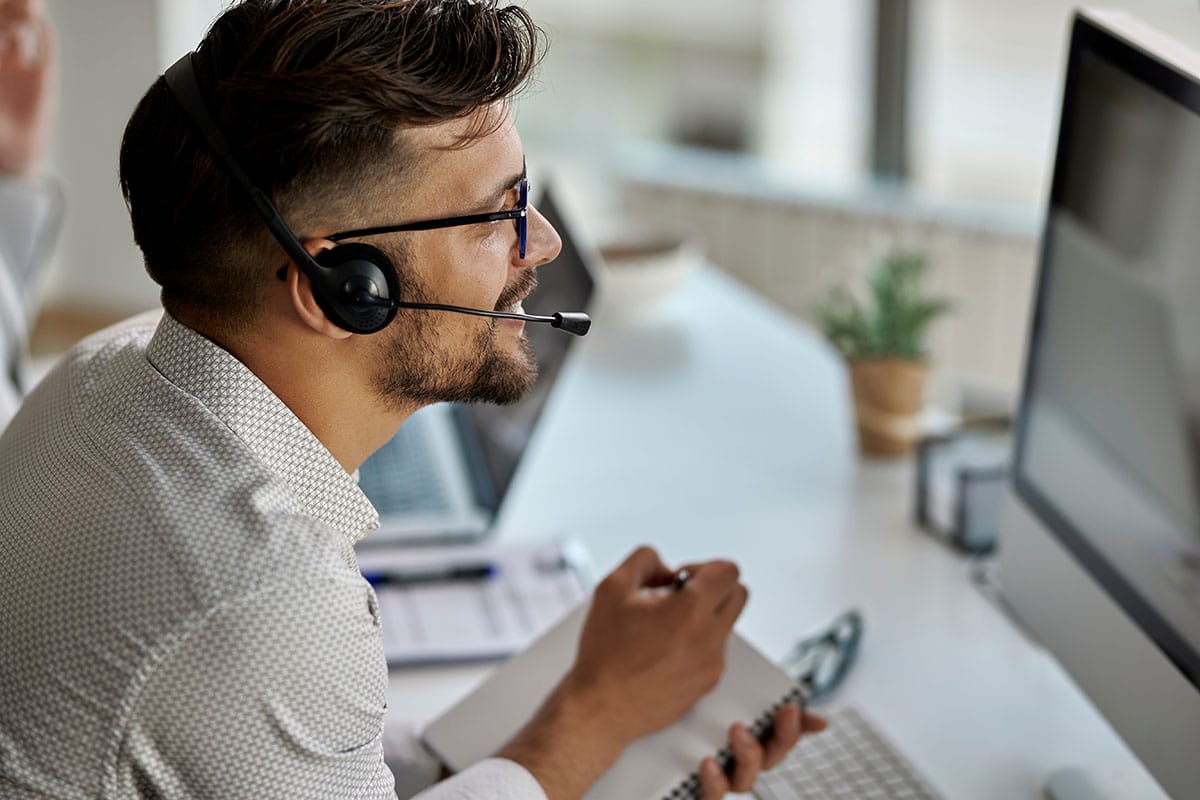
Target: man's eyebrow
<point>506,186</point>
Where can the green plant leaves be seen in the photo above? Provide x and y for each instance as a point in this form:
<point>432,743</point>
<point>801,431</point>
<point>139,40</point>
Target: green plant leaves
<point>895,323</point>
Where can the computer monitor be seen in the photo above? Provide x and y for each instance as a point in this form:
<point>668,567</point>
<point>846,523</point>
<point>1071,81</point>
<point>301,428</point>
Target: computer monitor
<point>1100,543</point>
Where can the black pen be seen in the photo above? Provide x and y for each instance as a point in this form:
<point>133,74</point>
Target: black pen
<point>680,579</point>
<point>454,573</point>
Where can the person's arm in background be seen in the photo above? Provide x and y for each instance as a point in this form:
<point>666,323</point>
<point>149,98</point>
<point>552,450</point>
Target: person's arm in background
<point>29,207</point>
<point>26,81</point>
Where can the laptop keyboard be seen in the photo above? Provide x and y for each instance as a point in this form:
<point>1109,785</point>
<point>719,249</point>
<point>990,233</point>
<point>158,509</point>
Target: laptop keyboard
<point>850,759</point>
<point>400,476</point>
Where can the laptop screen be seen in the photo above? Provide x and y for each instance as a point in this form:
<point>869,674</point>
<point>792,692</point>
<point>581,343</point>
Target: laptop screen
<point>564,284</point>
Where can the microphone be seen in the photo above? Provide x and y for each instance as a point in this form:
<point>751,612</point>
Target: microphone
<point>574,322</point>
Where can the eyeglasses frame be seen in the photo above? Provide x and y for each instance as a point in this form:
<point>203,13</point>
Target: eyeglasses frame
<point>518,214</point>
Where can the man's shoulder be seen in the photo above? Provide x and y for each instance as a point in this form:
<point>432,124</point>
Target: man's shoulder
<point>134,332</point>
<point>157,469</point>
<point>107,354</point>
<point>62,407</point>
<point>159,477</point>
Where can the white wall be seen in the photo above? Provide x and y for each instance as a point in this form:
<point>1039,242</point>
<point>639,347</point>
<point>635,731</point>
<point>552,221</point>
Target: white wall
<point>987,85</point>
<point>108,57</point>
<point>817,111</point>
<point>110,53</point>
<point>182,23</point>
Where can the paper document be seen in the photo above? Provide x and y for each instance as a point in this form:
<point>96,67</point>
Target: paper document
<point>431,613</point>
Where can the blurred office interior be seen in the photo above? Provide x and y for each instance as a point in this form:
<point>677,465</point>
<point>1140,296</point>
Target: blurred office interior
<point>798,140</point>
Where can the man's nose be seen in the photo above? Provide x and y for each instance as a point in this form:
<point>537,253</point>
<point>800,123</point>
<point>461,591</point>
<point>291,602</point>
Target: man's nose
<point>542,244</point>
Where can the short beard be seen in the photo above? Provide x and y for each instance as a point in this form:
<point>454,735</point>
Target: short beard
<point>411,368</point>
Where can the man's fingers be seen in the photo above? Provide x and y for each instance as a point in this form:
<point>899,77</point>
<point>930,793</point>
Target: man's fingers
<point>747,758</point>
<point>785,734</point>
<point>730,607</point>
<point>752,758</point>
<point>643,567</point>
<point>713,783</point>
<point>813,723</point>
<point>712,579</point>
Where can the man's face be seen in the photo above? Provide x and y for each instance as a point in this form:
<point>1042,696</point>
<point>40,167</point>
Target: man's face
<point>436,356</point>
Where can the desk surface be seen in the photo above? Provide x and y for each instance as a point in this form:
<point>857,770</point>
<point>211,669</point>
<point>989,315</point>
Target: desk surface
<point>717,426</point>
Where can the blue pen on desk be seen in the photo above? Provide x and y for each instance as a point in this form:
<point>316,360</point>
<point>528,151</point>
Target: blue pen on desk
<point>453,573</point>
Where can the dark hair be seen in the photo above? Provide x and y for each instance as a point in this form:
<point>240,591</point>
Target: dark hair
<point>311,95</point>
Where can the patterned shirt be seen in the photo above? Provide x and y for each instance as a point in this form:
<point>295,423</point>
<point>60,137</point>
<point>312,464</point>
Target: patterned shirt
<point>29,216</point>
<point>181,611</point>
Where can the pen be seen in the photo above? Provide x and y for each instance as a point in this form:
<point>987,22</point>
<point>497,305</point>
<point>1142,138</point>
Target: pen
<point>680,580</point>
<point>454,573</point>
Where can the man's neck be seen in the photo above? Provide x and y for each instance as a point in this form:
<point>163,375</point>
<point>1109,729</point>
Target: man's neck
<point>321,382</point>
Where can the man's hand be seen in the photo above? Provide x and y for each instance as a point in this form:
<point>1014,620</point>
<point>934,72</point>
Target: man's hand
<point>750,757</point>
<point>26,80</point>
<point>647,653</point>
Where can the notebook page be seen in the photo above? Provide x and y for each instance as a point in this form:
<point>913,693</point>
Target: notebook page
<point>534,587</point>
<point>649,768</point>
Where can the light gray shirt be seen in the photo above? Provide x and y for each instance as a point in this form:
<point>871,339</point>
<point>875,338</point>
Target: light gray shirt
<point>181,611</point>
<point>29,216</point>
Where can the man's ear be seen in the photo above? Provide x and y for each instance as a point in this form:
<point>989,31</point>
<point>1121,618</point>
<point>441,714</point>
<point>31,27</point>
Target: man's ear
<point>304,303</point>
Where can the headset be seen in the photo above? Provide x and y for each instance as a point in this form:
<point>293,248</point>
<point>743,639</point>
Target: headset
<point>355,284</point>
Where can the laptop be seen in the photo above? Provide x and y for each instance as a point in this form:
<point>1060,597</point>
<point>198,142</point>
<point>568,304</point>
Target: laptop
<point>444,475</point>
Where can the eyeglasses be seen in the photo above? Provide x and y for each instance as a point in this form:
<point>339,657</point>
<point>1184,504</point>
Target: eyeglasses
<point>519,214</point>
<point>820,662</point>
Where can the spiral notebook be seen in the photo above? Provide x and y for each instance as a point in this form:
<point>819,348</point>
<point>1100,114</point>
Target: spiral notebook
<point>661,766</point>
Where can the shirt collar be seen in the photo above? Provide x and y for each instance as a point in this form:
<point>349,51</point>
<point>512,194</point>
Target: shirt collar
<point>236,396</point>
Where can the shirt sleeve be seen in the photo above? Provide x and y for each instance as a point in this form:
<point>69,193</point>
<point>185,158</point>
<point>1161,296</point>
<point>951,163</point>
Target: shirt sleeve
<point>416,768</point>
<point>278,695</point>
<point>30,214</point>
<point>413,765</point>
<point>492,778</point>
<point>29,217</point>
<point>283,695</point>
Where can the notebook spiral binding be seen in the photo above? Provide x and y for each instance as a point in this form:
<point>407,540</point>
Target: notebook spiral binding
<point>689,787</point>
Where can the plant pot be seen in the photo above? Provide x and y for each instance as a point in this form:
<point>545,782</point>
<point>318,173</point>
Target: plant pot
<point>888,394</point>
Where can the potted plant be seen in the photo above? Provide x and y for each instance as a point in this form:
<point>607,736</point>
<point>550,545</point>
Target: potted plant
<point>883,342</point>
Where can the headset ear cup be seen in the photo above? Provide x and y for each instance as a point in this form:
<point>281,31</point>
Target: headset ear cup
<point>354,275</point>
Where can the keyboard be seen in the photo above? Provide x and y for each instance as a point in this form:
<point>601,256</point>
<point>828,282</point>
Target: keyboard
<point>401,476</point>
<point>850,759</point>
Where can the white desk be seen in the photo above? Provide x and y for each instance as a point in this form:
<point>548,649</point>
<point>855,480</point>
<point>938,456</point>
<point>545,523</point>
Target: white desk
<point>721,427</point>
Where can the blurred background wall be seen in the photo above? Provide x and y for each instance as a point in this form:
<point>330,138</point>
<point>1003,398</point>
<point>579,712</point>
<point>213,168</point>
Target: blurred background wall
<point>797,140</point>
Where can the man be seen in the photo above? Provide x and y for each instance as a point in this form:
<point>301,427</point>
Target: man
<point>29,208</point>
<point>177,506</point>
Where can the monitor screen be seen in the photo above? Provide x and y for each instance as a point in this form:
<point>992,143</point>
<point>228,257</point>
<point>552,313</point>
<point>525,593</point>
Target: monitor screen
<point>1109,438</point>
